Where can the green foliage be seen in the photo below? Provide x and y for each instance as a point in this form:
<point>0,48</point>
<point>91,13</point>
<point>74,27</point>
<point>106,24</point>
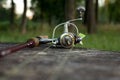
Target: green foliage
<point>106,38</point>
<point>114,11</point>
<point>54,9</point>
<point>49,9</point>
<point>4,14</point>
<point>4,25</point>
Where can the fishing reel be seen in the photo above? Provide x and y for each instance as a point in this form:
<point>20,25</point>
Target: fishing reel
<point>67,39</point>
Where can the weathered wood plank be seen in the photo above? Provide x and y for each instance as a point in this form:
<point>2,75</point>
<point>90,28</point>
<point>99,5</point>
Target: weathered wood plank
<point>43,63</point>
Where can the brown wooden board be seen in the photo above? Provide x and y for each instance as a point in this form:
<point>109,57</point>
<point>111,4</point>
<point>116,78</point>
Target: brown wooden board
<point>44,63</point>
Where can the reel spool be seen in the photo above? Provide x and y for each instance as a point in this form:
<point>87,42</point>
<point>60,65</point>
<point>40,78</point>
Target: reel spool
<point>67,40</point>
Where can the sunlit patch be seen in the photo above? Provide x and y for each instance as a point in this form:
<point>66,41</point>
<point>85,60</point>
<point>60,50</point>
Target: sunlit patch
<point>29,14</point>
<point>43,53</point>
<point>20,7</point>
<point>101,2</point>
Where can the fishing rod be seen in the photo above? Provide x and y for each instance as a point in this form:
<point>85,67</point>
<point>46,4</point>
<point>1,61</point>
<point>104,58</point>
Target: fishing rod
<point>66,40</point>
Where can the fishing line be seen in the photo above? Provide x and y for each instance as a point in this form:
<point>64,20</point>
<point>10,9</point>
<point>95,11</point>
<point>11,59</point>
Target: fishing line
<point>59,68</point>
<point>20,66</point>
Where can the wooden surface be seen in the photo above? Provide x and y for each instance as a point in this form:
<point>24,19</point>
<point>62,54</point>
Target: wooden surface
<point>44,63</point>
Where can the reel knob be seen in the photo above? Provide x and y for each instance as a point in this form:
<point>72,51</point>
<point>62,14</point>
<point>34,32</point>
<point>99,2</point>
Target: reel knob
<point>81,10</point>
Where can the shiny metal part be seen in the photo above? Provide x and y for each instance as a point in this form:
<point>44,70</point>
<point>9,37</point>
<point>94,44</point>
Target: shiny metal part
<point>67,40</point>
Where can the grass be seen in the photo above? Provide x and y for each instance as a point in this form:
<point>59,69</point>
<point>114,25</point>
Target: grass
<point>106,38</point>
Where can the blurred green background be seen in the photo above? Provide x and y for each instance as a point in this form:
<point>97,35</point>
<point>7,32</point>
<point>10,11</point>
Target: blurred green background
<point>23,19</point>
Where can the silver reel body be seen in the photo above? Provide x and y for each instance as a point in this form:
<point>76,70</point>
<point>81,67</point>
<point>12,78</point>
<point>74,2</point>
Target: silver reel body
<point>67,39</point>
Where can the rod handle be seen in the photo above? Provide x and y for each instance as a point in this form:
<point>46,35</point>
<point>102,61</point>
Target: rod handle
<point>29,43</point>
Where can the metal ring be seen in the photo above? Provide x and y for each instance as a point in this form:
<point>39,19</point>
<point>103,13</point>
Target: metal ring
<point>72,38</point>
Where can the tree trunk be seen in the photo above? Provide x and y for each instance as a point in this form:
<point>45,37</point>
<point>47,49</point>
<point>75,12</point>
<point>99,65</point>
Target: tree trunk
<point>69,11</point>
<point>42,14</point>
<point>96,11</point>
<point>106,13</point>
<point>24,19</point>
<point>90,16</point>
<point>12,15</point>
